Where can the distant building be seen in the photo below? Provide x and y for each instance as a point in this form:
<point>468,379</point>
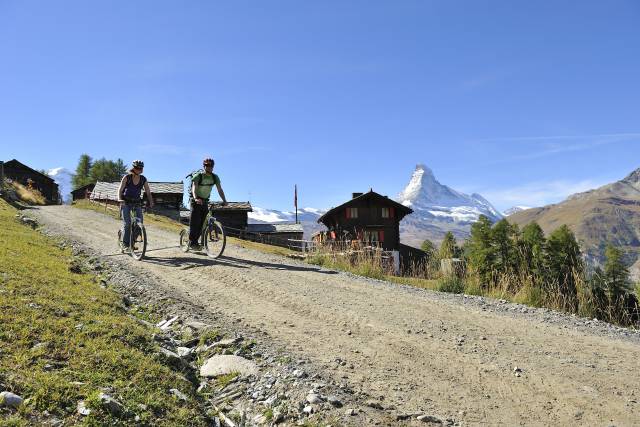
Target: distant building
<point>368,217</point>
<point>283,232</point>
<point>234,216</point>
<point>82,192</point>
<point>167,196</point>
<point>26,176</point>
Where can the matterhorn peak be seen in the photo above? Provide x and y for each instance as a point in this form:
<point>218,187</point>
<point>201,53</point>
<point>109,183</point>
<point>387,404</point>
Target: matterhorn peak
<point>425,192</point>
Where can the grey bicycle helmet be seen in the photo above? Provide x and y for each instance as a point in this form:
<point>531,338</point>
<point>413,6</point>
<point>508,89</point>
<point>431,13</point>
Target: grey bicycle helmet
<point>137,164</point>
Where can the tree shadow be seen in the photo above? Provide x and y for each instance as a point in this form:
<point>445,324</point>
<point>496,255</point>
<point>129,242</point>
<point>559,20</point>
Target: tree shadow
<point>271,266</point>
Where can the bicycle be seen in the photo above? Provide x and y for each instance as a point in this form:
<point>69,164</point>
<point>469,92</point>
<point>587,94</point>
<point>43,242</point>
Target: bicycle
<point>212,237</point>
<point>137,234</point>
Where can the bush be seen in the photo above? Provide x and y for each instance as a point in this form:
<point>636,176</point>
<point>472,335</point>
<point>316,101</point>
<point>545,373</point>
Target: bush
<point>454,285</point>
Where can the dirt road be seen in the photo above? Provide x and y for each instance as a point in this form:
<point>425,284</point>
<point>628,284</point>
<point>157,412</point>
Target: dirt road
<point>412,349</point>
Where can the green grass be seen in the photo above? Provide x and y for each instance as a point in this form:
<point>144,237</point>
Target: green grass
<point>64,338</point>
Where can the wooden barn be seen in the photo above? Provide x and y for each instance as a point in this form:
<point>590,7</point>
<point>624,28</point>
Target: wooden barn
<point>82,192</point>
<point>367,217</point>
<point>278,231</point>
<point>166,195</point>
<point>233,216</point>
<point>26,176</point>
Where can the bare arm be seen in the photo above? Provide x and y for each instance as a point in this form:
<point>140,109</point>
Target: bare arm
<point>221,193</point>
<point>193,194</point>
<point>148,191</point>
<point>121,188</point>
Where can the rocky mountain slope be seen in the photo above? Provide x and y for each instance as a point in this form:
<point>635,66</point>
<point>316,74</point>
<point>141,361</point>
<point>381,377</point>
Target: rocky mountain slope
<point>439,209</point>
<point>609,214</point>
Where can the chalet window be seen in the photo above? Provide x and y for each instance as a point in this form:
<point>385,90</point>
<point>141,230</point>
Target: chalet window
<point>385,212</point>
<point>351,213</point>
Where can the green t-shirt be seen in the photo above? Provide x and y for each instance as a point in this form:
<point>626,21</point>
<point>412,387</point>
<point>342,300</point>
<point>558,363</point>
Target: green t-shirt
<point>204,183</point>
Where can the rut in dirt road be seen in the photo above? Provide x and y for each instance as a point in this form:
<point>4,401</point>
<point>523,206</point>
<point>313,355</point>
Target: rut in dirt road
<point>409,349</point>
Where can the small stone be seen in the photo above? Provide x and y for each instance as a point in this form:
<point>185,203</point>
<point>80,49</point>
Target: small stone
<point>180,395</point>
<point>516,369</point>
<point>308,410</point>
<point>260,420</point>
<point>374,404</point>
<point>429,419</point>
<point>111,404</point>
<point>82,409</point>
<point>335,401</point>
<point>299,373</point>
<point>184,351</point>
<point>350,412</point>
<point>314,399</point>
<point>222,365</point>
<point>10,400</point>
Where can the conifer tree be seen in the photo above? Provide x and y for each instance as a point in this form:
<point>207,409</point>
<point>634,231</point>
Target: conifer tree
<point>532,245</point>
<point>563,265</point>
<point>503,240</point>
<point>479,251</point>
<point>616,275</point>
<point>83,170</point>
<point>449,247</point>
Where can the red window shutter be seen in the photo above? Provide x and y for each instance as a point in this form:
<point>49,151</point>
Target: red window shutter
<point>392,212</point>
<point>381,235</point>
<point>346,213</point>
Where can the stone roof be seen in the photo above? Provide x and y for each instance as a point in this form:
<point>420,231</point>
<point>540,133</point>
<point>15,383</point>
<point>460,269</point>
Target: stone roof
<point>233,206</point>
<point>109,190</point>
<point>275,228</point>
<point>166,187</point>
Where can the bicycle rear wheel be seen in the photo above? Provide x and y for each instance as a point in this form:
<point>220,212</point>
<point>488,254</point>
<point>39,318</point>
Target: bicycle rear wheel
<point>215,239</point>
<point>138,241</point>
<point>184,240</point>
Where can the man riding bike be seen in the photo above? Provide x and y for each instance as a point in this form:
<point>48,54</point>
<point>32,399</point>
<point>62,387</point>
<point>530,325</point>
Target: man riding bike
<point>201,184</point>
<point>129,197</point>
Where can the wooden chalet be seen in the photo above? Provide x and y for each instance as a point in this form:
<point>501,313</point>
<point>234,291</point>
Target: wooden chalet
<point>283,231</point>
<point>82,192</point>
<point>368,217</point>
<point>26,176</point>
<point>233,216</point>
<point>166,195</point>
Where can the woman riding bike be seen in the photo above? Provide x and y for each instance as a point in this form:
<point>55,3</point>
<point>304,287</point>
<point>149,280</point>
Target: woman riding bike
<point>129,196</point>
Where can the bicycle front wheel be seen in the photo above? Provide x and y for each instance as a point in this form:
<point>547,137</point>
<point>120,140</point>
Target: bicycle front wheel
<point>214,239</point>
<point>138,241</point>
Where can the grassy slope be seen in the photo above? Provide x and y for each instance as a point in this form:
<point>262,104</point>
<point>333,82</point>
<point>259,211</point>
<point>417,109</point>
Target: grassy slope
<point>86,340</point>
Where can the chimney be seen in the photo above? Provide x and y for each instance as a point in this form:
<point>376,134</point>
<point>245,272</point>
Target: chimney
<point>354,195</point>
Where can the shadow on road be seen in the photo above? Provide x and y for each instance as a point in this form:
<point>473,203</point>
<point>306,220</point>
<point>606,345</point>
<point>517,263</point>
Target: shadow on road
<point>188,262</point>
<point>271,266</point>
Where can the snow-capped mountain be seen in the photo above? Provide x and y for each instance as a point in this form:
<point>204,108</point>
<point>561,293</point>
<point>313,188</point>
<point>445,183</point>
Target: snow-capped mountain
<point>515,209</point>
<point>439,209</point>
<point>62,177</point>
<point>262,215</point>
<point>308,217</point>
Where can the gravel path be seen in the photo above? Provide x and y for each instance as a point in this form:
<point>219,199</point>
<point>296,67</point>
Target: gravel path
<point>469,359</point>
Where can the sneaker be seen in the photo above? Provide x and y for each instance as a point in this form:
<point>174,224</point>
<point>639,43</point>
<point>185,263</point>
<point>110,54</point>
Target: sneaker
<point>194,247</point>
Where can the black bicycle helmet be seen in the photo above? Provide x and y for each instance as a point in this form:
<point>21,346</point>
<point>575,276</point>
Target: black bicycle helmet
<point>137,164</point>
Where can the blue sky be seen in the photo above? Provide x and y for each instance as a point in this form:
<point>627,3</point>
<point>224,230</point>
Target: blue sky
<point>523,102</point>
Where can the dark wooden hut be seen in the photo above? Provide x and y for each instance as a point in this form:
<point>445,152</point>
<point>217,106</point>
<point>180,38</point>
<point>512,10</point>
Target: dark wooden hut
<point>82,192</point>
<point>368,217</point>
<point>26,176</point>
<point>234,216</point>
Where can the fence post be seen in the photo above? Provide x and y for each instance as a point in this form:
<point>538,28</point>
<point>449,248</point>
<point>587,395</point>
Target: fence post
<point>1,175</point>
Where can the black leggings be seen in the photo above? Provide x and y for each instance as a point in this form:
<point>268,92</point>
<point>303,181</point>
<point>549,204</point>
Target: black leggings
<point>198,214</point>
